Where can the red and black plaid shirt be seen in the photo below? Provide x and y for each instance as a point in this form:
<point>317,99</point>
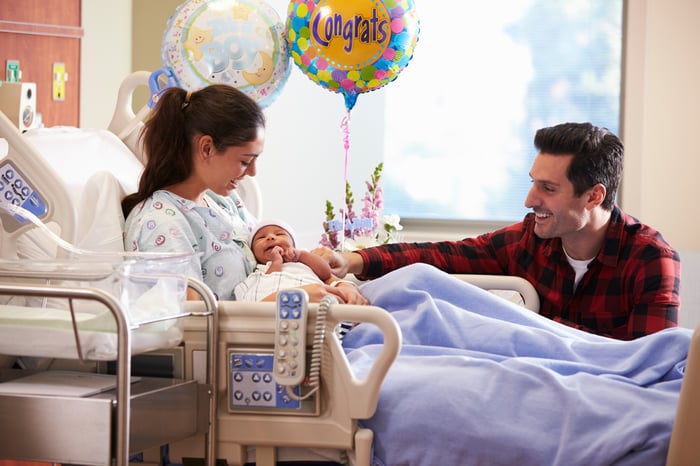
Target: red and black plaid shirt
<point>631,288</point>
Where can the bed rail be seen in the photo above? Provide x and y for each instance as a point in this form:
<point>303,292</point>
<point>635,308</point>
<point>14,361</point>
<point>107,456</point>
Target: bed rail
<point>531,299</point>
<point>345,397</point>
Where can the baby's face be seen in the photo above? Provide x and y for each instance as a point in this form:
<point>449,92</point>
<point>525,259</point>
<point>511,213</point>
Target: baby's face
<point>267,238</point>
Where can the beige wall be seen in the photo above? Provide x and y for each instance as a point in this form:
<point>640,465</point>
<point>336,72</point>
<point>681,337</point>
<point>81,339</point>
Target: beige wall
<point>149,21</point>
<point>661,121</point>
<point>105,58</point>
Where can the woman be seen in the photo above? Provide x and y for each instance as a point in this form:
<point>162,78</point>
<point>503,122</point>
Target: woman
<point>199,145</point>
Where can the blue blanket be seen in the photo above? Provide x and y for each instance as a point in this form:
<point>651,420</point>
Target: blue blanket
<point>480,380</point>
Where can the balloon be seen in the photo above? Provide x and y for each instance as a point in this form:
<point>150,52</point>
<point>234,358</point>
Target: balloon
<point>235,42</point>
<point>352,46</point>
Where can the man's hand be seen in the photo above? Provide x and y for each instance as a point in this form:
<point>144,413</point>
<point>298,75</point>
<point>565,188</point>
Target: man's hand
<point>338,262</point>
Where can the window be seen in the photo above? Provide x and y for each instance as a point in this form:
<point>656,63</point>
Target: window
<point>461,118</point>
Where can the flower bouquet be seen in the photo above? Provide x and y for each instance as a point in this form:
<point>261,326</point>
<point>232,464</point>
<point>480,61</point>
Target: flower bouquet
<point>349,231</point>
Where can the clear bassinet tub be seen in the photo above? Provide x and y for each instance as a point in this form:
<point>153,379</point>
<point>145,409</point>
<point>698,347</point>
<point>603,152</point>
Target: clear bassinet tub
<point>150,291</point>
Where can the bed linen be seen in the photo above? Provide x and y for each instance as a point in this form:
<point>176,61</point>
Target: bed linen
<point>48,332</point>
<point>480,380</point>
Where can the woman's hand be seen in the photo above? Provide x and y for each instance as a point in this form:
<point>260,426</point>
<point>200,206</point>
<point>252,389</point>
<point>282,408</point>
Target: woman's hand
<point>345,293</point>
<point>350,293</point>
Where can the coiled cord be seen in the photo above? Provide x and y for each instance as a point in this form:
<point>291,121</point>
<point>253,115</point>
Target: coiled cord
<point>316,350</point>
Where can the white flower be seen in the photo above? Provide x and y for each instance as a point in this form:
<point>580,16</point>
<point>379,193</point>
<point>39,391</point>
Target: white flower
<point>393,221</point>
<point>359,242</point>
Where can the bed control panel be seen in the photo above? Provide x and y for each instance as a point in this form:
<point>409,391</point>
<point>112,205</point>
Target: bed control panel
<point>15,190</point>
<point>290,337</point>
<point>253,389</point>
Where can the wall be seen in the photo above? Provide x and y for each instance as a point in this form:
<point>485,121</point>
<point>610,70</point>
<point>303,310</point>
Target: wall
<point>304,141</point>
<point>662,118</point>
<point>660,125</point>
<point>149,19</point>
<point>105,59</point>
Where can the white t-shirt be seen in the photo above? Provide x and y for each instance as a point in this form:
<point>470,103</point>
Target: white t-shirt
<point>580,267</point>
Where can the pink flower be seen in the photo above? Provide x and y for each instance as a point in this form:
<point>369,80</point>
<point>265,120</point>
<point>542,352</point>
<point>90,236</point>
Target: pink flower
<point>369,228</point>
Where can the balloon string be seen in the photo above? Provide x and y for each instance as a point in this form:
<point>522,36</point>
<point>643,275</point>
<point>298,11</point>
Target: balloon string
<point>345,126</point>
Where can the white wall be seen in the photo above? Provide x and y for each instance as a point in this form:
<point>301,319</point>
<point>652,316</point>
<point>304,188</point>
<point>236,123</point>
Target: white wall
<point>662,118</point>
<point>303,161</point>
<point>660,128</point>
<point>105,58</point>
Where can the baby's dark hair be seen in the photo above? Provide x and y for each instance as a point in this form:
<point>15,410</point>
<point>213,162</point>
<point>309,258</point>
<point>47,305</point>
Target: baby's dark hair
<point>221,111</point>
<point>597,156</point>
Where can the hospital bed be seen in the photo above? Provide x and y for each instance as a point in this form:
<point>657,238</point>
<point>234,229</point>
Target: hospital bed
<point>319,429</point>
<point>334,428</point>
<point>61,243</point>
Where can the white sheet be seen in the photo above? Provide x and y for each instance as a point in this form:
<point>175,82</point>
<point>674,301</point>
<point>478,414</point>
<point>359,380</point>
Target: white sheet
<point>146,288</point>
<point>30,331</point>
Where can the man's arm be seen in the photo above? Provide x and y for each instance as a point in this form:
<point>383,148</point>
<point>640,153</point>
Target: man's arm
<point>658,303</point>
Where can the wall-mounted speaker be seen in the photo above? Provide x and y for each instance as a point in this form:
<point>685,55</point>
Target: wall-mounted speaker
<point>18,103</point>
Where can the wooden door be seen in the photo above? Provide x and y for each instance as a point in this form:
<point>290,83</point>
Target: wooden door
<point>41,34</point>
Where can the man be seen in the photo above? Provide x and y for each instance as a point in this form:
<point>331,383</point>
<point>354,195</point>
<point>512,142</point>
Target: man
<point>595,267</point>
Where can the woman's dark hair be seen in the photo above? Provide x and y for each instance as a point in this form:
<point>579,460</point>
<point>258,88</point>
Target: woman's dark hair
<point>597,156</point>
<point>221,111</point>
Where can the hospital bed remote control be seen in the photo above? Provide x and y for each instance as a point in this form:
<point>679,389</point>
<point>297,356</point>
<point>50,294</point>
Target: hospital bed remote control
<point>290,337</point>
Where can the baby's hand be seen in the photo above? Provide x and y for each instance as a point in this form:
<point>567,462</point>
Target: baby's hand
<point>277,254</point>
<point>292,255</point>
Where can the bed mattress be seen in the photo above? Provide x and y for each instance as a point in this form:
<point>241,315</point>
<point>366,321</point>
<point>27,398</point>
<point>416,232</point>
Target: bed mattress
<point>43,332</point>
<point>149,292</point>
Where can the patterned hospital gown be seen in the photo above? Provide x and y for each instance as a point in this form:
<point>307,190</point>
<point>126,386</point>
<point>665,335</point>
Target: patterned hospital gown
<point>166,222</point>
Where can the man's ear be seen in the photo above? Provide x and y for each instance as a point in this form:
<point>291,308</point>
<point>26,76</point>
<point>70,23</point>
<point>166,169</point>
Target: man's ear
<point>596,195</point>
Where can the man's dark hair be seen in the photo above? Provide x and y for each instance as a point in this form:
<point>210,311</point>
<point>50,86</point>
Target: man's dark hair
<point>597,156</point>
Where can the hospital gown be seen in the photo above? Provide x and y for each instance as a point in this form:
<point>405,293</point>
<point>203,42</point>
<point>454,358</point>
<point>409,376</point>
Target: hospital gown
<point>218,234</point>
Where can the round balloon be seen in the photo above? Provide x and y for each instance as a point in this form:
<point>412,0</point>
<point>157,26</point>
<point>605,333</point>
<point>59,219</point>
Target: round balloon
<point>235,42</point>
<point>354,46</point>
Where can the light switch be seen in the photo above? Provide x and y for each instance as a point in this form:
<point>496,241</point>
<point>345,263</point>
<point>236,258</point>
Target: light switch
<point>59,81</point>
